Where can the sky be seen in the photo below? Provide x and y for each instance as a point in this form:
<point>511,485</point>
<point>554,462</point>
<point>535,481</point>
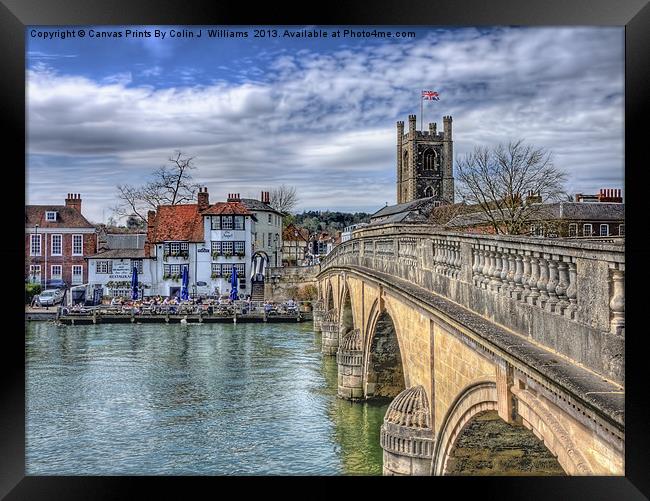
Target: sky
<point>315,113</point>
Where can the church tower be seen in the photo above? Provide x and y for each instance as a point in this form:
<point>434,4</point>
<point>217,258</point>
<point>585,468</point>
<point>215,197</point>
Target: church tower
<point>425,162</point>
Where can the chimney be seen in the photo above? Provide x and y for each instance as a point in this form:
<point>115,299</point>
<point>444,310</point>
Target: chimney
<point>611,195</point>
<point>233,197</point>
<point>74,201</point>
<point>265,199</point>
<point>203,199</point>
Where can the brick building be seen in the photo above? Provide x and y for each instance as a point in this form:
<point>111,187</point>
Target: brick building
<point>57,240</point>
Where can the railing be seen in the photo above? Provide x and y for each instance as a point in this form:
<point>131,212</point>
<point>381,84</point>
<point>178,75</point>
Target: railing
<point>581,282</point>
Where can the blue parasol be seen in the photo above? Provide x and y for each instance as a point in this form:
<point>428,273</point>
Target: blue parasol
<point>184,282</point>
<point>134,283</point>
<point>233,283</point>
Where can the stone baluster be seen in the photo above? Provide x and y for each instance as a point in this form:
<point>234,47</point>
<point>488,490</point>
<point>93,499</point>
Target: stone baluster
<point>439,250</point>
<point>457,263</point>
<point>475,266</point>
<point>485,278</point>
<point>496,271</point>
<point>543,280</point>
<point>562,286</point>
<point>525,279</point>
<point>479,267</point>
<point>551,285</point>
<point>446,257</point>
<point>503,289</point>
<point>617,303</point>
<point>572,290</point>
<point>512,268</point>
<point>534,277</point>
<point>490,268</point>
<point>518,277</point>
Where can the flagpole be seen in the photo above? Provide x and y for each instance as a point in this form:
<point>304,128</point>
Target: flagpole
<point>421,109</point>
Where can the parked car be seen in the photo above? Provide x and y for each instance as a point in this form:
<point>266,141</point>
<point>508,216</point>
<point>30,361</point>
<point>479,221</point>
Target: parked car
<point>49,297</point>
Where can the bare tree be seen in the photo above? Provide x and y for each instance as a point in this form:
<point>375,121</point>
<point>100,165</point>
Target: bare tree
<point>499,179</point>
<point>283,199</point>
<point>170,184</point>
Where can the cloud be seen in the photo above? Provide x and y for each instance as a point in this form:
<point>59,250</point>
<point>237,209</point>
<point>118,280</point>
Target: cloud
<point>324,120</point>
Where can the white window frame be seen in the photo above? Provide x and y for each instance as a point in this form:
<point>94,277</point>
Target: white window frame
<point>35,240</point>
<point>600,232</point>
<point>50,215</point>
<point>574,227</point>
<point>228,248</point>
<point>138,263</point>
<point>35,271</point>
<point>54,275</point>
<point>80,239</point>
<point>104,267</point>
<point>216,270</point>
<point>227,223</point>
<point>215,222</point>
<point>81,275</point>
<point>584,230</point>
<point>60,239</point>
<point>239,223</point>
<point>270,216</point>
<point>239,247</point>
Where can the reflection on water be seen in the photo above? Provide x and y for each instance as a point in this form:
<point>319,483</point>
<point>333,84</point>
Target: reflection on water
<point>193,400</point>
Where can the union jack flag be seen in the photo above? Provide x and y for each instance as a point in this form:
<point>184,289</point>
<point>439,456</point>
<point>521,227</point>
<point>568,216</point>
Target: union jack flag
<point>430,95</point>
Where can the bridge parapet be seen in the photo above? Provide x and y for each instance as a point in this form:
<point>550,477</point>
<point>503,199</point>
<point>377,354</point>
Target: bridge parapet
<point>563,294</point>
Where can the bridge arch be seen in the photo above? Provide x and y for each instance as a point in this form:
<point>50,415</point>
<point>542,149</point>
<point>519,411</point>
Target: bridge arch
<point>479,400</point>
<point>329,296</point>
<point>347,317</point>
<point>383,374</point>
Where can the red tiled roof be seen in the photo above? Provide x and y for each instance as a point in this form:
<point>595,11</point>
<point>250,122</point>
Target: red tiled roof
<point>177,223</point>
<point>226,208</point>
<point>288,233</point>
<point>67,217</point>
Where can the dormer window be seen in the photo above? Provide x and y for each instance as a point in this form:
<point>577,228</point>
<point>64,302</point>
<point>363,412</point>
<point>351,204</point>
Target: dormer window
<point>50,216</point>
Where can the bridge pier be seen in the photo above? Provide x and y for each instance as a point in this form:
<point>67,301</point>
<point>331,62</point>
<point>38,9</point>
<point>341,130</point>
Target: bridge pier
<point>330,329</point>
<point>406,435</point>
<point>318,312</point>
<point>350,361</point>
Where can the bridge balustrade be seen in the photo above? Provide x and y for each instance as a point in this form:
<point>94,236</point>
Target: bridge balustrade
<point>520,282</point>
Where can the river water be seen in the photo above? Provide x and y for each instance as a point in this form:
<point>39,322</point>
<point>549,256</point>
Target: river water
<point>194,399</point>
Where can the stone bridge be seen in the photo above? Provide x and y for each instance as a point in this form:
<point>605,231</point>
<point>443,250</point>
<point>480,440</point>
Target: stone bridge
<point>461,330</point>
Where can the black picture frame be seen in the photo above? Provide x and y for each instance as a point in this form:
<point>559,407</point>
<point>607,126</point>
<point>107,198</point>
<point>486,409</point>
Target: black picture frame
<point>15,15</point>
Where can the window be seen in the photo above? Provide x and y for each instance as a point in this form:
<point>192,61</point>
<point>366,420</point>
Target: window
<point>35,245</point>
<point>77,245</point>
<point>77,272</point>
<point>269,240</point>
<point>239,222</point>
<point>241,270</point>
<point>621,230</point>
<point>50,216</point>
<point>429,159</point>
<point>227,248</point>
<point>270,216</point>
<point>56,245</point>
<point>137,263</point>
<point>173,270</point>
<point>586,230</point>
<point>185,246</point>
<point>216,223</point>
<point>174,247</point>
<point>216,248</point>
<point>57,271</point>
<point>216,270</point>
<point>226,223</point>
<point>126,293</point>
<point>35,273</point>
<point>573,230</point>
<point>604,230</point>
<point>104,266</point>
<point>239,248</point>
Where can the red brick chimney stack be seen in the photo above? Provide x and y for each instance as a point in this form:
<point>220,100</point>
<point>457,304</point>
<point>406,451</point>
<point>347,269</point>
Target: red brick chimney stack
<point>265,197</point>
<point>74,201</point>
<point>203,198</point>
<point>233,197</point>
